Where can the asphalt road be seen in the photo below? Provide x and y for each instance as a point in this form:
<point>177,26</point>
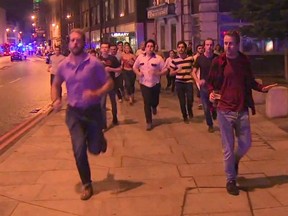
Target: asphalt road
<point>24,89</point>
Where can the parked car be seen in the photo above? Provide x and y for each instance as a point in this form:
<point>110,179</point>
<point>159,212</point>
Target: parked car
<point>16,56</point>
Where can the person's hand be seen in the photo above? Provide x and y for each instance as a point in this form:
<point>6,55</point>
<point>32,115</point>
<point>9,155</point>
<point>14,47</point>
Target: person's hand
<point>108,69</point>
<point>201,82</point>
<point>267,88</point>
<point>57,105</point>
<point>213,96</point>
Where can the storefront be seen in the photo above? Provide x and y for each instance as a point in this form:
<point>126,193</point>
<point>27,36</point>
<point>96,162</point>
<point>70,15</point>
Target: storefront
<point>115,37</point>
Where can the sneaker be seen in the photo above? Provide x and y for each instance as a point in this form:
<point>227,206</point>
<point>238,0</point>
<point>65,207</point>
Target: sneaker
<point>232,188</point>
<point>87,192</point>
<point>149,127</point>
<point>154,110</point>
<point>186,120</point>
<point>211,129</point>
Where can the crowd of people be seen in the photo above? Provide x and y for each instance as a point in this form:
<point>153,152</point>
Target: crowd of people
<point>223,78</point>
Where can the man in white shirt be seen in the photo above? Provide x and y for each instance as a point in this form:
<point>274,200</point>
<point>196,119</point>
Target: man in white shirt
<point>53,64</point>
<point>149,67</point>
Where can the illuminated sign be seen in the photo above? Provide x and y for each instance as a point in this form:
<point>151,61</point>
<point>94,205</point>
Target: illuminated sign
<point>160,11</point>
<point>119,34</point>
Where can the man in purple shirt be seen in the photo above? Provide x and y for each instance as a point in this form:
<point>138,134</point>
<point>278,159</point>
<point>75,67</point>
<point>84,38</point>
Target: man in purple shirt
<point>86,81</point>
<point>230,83</point>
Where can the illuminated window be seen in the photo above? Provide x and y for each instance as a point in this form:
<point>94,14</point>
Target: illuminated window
<point>131,6</point>
<point>112,5</point>
<point>121,8</point>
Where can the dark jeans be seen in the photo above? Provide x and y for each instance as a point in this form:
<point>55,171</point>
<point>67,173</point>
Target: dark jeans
<point>118,86</point>
<point>151,99</point>
<point>204,96</point>
<point>112,96</point>
<point>85,127</point>
<point>129,79</point>
<point>52,76</point>
<point>186,97</point>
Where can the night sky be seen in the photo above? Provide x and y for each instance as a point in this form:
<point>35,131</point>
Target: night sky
<point>17,10</point>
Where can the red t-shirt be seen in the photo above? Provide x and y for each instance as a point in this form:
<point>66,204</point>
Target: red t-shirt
<point>233,88</point>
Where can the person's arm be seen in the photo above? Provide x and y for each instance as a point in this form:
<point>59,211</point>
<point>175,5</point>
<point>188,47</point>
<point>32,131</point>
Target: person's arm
<point>55,92</point>
<point>136,67</point>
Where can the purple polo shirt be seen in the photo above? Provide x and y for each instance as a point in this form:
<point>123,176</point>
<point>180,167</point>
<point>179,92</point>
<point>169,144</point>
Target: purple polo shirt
<point>89,74</point>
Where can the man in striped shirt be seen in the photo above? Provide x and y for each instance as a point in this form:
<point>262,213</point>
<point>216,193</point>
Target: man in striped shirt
<point>182,68</point>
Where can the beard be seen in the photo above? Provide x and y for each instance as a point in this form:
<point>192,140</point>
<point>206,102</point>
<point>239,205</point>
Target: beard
<point>77,50</point>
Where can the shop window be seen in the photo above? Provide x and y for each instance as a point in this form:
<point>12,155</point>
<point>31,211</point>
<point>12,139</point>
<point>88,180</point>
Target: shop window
<point>121,8</point>
<point>162,33</point>
<point>173,36</point>
<point>112,9</point>
<point>106,9</point>
<point>194,4</point>
<point>131,6</point>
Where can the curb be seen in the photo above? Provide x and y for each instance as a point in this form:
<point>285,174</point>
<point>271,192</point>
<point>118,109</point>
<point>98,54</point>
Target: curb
<point>10,138</point>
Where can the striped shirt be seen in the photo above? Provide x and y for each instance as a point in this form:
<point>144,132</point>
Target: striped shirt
<point>184,75</point>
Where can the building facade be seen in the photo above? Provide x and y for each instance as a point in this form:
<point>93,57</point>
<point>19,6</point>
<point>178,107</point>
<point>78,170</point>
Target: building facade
<point>115,20</point>
<point>3,35</point>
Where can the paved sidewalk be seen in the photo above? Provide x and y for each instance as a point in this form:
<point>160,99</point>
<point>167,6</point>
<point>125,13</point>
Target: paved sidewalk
<point>176,169</point>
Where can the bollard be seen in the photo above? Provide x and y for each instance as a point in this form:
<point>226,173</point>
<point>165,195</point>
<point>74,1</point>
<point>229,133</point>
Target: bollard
<point>259,97</point>
<point>277,102</point>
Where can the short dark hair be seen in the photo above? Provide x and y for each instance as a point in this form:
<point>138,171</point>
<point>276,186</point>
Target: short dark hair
<point>113,45</point>
<point>182,42</point>
<point>234,34</point>
<point>208,39</point>
<point>150,41</point>
<point>119,42</point>
<point>92,51</point>
<point>199,45</point>
<point>105,42</point>
<point>79,31</point>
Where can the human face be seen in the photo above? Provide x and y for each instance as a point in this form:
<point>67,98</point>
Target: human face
<point>126,49</point>
<point>171,54</point>
<point>200,49</point>
<point>208,46</point>
<point>76,43</point>
<point>113,50</point>
<point>230,46</point>
<point>104,49</point>
<point>181,49</point>
<point>120,47</point>
<point>149,49</point>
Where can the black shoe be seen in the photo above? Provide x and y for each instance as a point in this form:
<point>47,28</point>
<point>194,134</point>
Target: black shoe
<point>232,188</point>
<point>186,120</point>
<point>191,115</point>
<point>149,127</point>
<point>154,110</point>
<point>214,114</point>
<point>104,146</point>
<point>87,192</point>
<point>211,129</point>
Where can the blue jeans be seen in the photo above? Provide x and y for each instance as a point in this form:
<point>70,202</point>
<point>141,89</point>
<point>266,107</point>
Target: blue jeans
<point>112,96</point>
<point>204,96</point>
<point>185,96</point>
<point>85,127</point>
<point>230,123</point>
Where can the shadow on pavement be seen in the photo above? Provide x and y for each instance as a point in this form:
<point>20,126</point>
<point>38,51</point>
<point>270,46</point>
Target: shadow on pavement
<point>110,184</point>
<point>261,182</point>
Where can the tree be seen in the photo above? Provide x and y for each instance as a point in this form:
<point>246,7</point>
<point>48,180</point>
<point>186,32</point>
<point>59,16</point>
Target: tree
<point>265,19</point>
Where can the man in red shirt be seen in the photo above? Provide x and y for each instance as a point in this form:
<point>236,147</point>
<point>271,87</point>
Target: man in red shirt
<point>230,83</point>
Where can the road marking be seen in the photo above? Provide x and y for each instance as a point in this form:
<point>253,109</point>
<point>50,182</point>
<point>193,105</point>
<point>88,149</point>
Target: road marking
<point>15,80</point>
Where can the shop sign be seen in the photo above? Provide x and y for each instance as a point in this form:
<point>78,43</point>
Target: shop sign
<point>119,34</point>
<point>161,10</point>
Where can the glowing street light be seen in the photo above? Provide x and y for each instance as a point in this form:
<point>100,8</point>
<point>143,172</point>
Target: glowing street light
<point>33,17</point>
<point>68,16</point>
